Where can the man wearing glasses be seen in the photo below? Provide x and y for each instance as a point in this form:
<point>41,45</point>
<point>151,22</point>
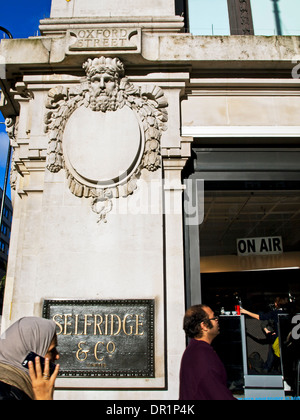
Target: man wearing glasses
<point>202,374</point>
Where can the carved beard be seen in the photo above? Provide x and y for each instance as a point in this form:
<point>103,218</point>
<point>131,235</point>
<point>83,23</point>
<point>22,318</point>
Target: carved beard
<point>103,100</point>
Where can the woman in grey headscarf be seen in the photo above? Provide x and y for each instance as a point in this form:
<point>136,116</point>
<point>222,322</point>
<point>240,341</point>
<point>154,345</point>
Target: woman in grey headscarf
<point>27,335</point>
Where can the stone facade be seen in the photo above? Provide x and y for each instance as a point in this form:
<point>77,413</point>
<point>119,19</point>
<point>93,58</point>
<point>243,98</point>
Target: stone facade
<point>107,103</point>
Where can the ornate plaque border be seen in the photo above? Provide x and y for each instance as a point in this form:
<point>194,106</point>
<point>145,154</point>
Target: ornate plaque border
<point>149,372</point>
<point>147,101</point>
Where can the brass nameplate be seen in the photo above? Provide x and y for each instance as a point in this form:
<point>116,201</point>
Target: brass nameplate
<point>104,338</point>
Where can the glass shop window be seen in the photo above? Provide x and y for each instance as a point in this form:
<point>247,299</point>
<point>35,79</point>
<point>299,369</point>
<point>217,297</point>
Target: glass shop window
<point>250,244</point>
<point>250,253</point>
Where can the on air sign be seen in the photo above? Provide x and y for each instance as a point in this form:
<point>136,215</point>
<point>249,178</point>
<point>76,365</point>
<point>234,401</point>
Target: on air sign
<point>260,246</point>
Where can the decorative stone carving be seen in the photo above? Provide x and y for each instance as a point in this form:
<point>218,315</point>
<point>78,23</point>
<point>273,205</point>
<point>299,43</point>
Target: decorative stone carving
<point>240,17</point>
<point>12,129</point>
<point>104,131</point>
<point>246,19</point>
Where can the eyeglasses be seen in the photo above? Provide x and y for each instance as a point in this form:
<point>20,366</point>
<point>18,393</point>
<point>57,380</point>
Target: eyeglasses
<point>216,318</point>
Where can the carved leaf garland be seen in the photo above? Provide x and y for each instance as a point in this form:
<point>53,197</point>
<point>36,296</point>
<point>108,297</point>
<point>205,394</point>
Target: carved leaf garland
<point>149,104</point>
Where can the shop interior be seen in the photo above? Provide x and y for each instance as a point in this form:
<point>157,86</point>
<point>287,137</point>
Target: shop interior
<point>234,210</point>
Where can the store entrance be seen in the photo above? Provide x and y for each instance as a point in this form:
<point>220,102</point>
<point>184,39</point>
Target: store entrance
<point>244,244</point>
<point>250,244</point>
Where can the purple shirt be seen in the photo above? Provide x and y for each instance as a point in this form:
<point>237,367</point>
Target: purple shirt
<point>202,374</point>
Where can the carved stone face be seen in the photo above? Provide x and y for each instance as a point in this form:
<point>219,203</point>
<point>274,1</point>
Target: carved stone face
<point>103,90</point>
<point>103,84</point>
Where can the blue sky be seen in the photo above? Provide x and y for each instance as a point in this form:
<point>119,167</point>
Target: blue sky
<point>21,17</point>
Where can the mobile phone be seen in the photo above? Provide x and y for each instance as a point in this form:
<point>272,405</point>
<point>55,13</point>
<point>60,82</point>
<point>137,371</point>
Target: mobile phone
<point>31,358</point>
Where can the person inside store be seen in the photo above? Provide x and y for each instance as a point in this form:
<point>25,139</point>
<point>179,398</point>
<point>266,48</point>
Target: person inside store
<point>28,335</point>
<point>280,305</point>
<point>202,374</point>
<point>269,323</point>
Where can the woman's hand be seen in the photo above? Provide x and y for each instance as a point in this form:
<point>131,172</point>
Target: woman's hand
<point>245,312</point>
<point>42,382</point>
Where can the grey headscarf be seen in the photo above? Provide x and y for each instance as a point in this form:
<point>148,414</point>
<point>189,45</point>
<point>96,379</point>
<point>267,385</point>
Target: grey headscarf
<point>26,335</point>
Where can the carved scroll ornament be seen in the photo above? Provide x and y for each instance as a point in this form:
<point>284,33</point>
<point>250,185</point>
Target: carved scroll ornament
<point>104,91</point>
<point>12,130</point>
